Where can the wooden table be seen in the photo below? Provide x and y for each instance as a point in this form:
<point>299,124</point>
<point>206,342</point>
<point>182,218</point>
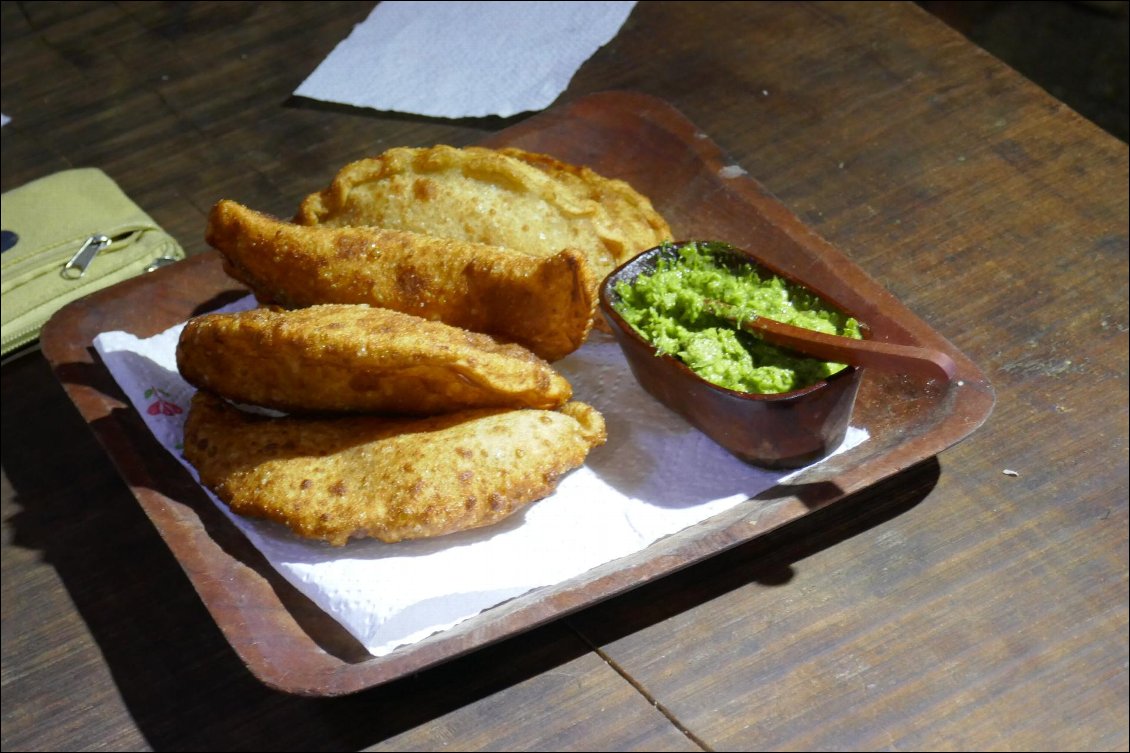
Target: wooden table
<point>975,601</point>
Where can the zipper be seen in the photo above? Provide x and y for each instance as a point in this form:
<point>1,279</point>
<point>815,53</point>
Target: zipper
<point>58,257</point>
<point>34,260</point>
<point>76,267</point>
<point>20,339</point>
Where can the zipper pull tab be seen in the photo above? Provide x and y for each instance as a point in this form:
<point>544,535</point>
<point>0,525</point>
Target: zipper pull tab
<point>76,267</point>
<point>162,261</point>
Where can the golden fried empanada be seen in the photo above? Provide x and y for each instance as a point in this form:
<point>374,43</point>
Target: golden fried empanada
<point>349,357</point>
<point>545,304</point>
<point>391,479</point>
<point>528,202</point>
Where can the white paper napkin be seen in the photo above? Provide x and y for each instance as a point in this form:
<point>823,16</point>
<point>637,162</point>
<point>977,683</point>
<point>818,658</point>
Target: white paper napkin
<point>655,476</point>
<point>464,59</point>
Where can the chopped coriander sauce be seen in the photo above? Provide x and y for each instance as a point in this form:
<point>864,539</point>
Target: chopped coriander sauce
<point>667,309</point>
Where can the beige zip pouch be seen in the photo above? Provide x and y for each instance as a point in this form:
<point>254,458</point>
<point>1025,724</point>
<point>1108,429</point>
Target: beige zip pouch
<point>65,236</point>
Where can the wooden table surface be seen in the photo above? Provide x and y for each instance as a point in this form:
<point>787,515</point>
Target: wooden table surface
<point>951,606</point>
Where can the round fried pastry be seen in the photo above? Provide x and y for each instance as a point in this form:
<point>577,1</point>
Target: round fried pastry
<point>354,358</point>
<point>392,479</point>
<point>532,203</point>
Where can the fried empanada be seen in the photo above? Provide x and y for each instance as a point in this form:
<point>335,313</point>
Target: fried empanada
<point>545,304</point>
<point>343,357</point>
<point>391,479</point>
<point>520,200</point>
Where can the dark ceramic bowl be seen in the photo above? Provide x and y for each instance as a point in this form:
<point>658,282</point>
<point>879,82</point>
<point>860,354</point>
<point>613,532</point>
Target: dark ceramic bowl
<point>782,430</point>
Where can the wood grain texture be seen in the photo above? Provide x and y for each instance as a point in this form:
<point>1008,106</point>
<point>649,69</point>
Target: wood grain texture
<point>950,607</point>
<point>993,212</point>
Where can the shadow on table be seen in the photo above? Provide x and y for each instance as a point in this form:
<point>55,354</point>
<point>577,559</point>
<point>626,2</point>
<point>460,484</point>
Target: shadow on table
<point>768,560</point>
<point>183,685</point>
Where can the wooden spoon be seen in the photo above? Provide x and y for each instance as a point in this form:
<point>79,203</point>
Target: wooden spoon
<point>902,359</point>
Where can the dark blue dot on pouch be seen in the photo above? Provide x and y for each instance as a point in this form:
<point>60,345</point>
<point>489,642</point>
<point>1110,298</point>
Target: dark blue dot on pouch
<point>7,239</point>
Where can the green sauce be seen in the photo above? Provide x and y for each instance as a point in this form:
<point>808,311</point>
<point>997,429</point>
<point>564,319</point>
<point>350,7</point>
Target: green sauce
<point>667,309</point>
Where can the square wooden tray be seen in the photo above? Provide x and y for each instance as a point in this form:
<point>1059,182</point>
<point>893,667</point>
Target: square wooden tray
<point>293,646</point>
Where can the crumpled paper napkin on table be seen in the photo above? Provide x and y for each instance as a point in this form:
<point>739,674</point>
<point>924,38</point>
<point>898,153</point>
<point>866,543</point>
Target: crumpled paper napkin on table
<point>655,476</point>
<point>464,59</point>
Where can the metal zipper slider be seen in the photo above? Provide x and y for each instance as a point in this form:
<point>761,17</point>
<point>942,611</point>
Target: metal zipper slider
<point>76,267</point>
<point>161,261</point>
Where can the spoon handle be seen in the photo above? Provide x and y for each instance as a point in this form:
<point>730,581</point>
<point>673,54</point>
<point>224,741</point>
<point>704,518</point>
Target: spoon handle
<point>903,359</point>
